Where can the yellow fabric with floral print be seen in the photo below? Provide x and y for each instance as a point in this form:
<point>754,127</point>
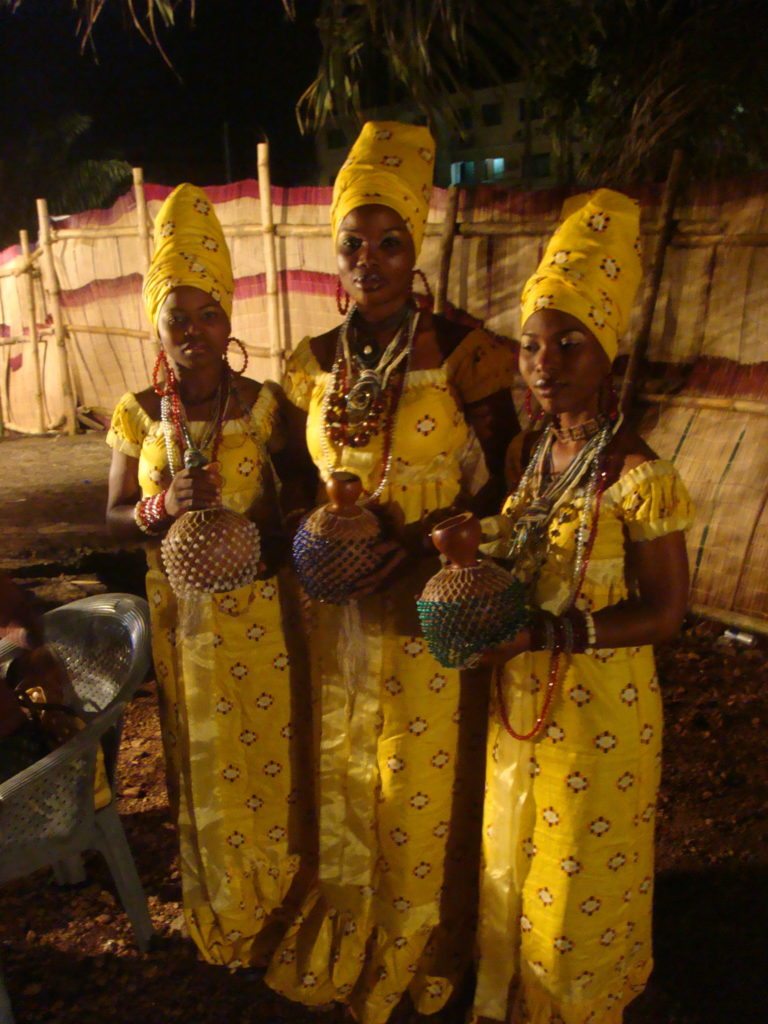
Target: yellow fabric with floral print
<point>233,741</point>
<point>400,767</point>
<point>567,887</point>
<point>190,249</point>
<point>391,164</point>
<point>591,267</point>
<point>430,433</point>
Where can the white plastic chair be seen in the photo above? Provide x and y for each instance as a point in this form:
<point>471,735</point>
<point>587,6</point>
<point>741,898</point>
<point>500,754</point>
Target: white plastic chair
<point>47,817</point>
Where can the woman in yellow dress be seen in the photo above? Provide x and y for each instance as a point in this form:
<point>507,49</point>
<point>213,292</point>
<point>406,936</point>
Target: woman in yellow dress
<point>399,780</point>
<point>596,526</point>
<point>231,715</point>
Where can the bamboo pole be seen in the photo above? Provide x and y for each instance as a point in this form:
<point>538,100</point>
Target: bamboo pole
<point>731,618</point>
<point>119,332</point>
<point>631,382</point>
<point>706,402</point>
<point>446,248</point>
<point>142,217</point>
<point>260,351</point>
<point>33,339</point>
<point>145,244</point>
<point>54,293</point>
<point>270,260</point>
<point>20,265</point>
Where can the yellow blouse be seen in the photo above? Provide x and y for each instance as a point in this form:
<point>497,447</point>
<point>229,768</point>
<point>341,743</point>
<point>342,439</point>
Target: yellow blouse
<point>649,501</point>
<point>430,438</point>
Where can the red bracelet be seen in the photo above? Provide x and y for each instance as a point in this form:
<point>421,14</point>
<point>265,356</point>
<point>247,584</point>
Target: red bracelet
<point>150,515</point>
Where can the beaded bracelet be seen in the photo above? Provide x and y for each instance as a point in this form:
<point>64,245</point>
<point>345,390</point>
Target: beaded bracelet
<point>573,632</point>
<point>543,631</point>
<point>589,621</point>
<point>578,631</point>
<point>150,515</point>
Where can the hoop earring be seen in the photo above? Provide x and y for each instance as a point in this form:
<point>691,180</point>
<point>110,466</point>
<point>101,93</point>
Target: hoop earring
<point>244,352</point>
<point>534,415</point>
<point>609,399</point>
<point>420,273</point>
<point>341,305</point>
<point>161,363</point>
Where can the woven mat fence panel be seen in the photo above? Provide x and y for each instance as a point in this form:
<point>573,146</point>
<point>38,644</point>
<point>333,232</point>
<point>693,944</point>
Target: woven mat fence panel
<point>707,337</point>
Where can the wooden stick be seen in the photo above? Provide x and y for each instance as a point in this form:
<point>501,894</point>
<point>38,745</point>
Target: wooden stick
<point>33,339</point>
<point>53,289</point>
<point>632,373</point>
<point>731,618</point>
<point>706,402</point>
<point>261,352</point>
<point>21,264</point>
<point>17,428</point>
<point>270,261</point>
<point>446,248</point>
<point>142,217</point>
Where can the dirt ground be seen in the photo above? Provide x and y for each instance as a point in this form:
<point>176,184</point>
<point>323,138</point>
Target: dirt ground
<point>68,956</point>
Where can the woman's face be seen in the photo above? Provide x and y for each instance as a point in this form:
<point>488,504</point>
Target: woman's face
<point>563,363</point>
<point>193,328</point>
<point>375,257</point>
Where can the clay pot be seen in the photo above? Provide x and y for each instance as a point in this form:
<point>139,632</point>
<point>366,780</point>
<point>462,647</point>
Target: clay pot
<point>471,604</point>
<point>344,490</point>
<point>333,547</point>
<point>458,538</point>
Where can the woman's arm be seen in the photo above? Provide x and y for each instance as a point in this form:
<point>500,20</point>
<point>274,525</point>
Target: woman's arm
<point>189,489</point>
<point>124,492</point>
<point>659,571</point>
<point>654,612</point>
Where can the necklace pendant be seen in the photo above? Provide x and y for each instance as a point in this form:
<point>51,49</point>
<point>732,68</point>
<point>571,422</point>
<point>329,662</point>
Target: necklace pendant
<point>194,459</point>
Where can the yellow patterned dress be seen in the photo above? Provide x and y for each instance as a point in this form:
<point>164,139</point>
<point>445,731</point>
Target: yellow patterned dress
<point>230,714</point>
<point>567,886</point>
<point>400,768</point>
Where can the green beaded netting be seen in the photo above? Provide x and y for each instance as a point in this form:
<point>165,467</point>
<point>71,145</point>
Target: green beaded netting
<point>458,627</point>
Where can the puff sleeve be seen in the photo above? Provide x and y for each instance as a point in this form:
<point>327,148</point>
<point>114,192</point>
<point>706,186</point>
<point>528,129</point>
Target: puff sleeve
<point>652,501</point>
<point>129,426</point>
<point>299,380</point>
<point>480,366</point>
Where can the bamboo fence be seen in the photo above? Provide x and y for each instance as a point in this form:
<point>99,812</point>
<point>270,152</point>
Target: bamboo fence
<point>74,336</point>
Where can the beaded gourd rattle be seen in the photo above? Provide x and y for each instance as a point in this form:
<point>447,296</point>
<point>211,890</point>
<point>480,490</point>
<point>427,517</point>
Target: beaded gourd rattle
<point>210,550</point>
<point>333,547</point>
<point>471,604</point>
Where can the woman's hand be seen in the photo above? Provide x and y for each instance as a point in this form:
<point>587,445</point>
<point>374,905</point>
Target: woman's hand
<point>395,562</point>
<point>194,489</point>
<point>503,653</point>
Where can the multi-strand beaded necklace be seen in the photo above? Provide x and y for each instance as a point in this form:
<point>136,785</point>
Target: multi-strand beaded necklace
<point>362,399</point>
<point>541,495</point>
<point>176,430</point>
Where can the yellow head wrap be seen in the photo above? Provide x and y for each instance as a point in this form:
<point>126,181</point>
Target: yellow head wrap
<point>591,268</point>
<point>391,164</point>
<point>189,250</point>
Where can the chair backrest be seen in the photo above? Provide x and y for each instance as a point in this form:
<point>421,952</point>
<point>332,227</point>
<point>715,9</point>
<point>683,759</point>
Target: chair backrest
<point>104,641</point>
<point>46,811</point>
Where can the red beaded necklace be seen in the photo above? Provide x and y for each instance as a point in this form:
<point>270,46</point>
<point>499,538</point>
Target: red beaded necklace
<point>601,482</point>
<point>171,401</point>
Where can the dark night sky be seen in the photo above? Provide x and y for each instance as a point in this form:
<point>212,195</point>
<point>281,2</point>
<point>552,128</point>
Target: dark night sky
<point>241,62</point>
